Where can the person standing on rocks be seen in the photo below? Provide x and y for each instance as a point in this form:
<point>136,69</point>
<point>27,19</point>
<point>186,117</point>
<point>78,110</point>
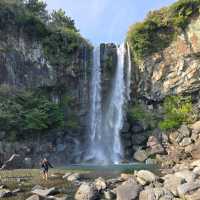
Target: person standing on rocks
<point>45,164</point>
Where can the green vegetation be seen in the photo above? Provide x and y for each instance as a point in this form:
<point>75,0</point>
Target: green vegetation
<point>160,27</point>
<point>137,112</point>
<point>177,110</point>
<point>28,113</point>
<point>56,31</point>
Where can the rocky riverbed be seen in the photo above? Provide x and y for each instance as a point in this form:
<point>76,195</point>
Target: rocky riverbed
<point>180,182</point>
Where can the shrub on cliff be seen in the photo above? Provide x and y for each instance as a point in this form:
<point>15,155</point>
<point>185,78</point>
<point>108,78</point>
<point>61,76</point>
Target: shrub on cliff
<point>177,110</point>
<point>160,27</point>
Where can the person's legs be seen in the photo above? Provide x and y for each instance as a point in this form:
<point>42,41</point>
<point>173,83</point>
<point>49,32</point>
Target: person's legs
<point>46,175</point>
<point>43,174</point>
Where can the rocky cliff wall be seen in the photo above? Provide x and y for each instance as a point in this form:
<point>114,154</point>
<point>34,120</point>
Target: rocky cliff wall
<point>174,70</point>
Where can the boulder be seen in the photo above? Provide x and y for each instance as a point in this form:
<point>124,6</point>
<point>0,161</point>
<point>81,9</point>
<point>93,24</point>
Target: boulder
<point>137,128</point>
<point>73,177</point>
<point>194,195</point>
<point>140,155</point>
<point>5,193</point>
<point>35,197</point>
<point>45,192</point>
<point>171,183</point>
<point>188,175</point>
<point>188,187</point>
<point>184,130</point>
<point>109,195</point>
<point>126,177</point>
<point>196,171</point>
<point>144,177</point>
<point>195,163</point>
<point>67,175</point>
<point>100,184</point>
<point>159,193</point>
<point>195,127</point>
<point>86,191</point>
<point>38,187</point>
<point>129,190</point>
<point>154,145</point>
<point>14,162</point>
<point>185,142</point>
<point>18,190</point>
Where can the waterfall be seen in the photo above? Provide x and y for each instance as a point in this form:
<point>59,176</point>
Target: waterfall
<point>128,78</point>
<point>105,144</point>
<point>95,150</point>
<point>114,115</point>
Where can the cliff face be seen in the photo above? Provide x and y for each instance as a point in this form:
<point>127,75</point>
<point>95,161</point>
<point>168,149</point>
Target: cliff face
<point>174,70</point>
<point>23,66</point>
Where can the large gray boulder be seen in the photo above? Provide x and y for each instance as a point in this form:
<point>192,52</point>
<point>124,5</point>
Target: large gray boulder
<point>129,190</point>
<point>86,191</point>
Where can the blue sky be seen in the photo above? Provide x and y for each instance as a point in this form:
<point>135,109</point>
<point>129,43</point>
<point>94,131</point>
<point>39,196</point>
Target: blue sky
<point>106,20</point>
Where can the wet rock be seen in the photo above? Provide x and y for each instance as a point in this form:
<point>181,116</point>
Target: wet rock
<point>144,177</point>
<point>140,155</point>
<point>126,177</point>
<point>129,190</point>
<point>86,191</point>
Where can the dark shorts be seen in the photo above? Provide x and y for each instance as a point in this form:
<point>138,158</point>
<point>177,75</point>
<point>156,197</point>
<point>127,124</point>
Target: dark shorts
<point>45,170</point>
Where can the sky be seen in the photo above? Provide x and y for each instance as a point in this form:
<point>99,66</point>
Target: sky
<point>106,20</point>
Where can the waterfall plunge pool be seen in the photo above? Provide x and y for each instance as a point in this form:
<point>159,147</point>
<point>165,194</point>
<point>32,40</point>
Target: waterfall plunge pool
<point>114,168</point>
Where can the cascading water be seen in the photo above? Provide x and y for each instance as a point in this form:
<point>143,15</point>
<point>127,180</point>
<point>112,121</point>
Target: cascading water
<point>128,79</point>
<point>114,116</point>
<point>105,143</point>
<point>96,151</point>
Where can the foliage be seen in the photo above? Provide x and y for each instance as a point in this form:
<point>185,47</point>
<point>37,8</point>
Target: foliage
<point>160,27</point>
<point>177,110</point>
<point>60,45</point>
<point>59,20</point>
<point>137,112</point>
<point>56,31</point>
<point>27,112</point>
